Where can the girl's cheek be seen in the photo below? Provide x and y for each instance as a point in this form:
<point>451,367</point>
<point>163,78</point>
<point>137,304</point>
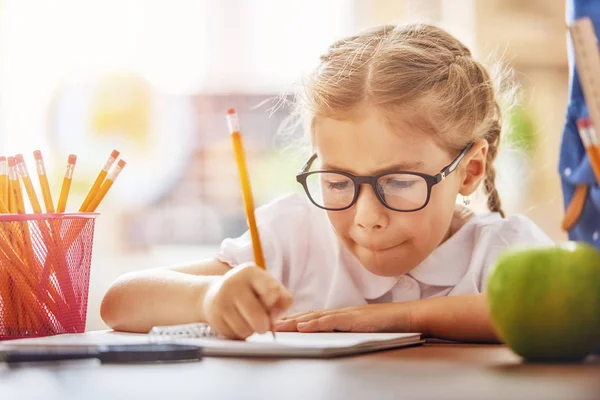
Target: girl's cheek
<point>342,221</point>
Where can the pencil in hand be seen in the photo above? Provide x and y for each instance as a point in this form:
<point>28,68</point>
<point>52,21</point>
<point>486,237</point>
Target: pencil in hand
<point>43,178</point>
<point>66,185</point>
<point>240,158</point>
<point>99,179</point>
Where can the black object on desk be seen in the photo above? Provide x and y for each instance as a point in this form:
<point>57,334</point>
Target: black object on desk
<point>137,353</point>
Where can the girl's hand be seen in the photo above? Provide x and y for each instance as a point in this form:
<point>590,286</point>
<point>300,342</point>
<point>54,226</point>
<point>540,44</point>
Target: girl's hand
<point>393,317</point>
<point>244,301</point>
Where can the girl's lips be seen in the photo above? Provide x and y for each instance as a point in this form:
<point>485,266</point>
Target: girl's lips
<point>378,246</point>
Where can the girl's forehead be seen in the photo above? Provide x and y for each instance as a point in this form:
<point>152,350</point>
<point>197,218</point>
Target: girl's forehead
<point>369,145</point>
<point>370,133</point>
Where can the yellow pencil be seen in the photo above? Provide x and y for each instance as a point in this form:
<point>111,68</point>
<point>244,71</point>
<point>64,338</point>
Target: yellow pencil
<point>23,237</point>
<point>99,179</point>
<point>240,158</point>
<point>106,185</point>
<point>43,178</point>
<point>15,186</point>
<point>24,174</point>
<point>11,203</point>
<point>3,180</point>
<point>66,186</point>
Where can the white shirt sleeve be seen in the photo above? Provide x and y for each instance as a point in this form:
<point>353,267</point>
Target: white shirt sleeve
<point>282,227</point>
<point>514,232</point>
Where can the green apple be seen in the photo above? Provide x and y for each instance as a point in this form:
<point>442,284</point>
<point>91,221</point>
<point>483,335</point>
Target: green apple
<point>545,302</point>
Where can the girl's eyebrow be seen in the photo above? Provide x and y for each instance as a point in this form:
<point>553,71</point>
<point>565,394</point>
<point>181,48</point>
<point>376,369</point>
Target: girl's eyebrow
<point>413,166</point>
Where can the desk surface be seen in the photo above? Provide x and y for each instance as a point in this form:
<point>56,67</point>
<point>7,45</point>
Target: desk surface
<point>425,372</point>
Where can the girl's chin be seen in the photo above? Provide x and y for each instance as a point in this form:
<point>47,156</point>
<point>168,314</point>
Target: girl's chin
<point>384,263</point>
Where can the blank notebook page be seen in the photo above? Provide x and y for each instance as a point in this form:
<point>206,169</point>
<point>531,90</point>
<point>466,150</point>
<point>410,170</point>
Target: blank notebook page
<point>294,344</point>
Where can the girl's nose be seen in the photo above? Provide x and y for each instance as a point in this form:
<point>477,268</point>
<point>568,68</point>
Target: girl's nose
<point>370,213</point>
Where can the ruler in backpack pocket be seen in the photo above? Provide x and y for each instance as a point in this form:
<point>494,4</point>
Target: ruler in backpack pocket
<point>587,62</point>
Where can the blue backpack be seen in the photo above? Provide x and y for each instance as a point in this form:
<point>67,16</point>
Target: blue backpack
<point>574,165</point>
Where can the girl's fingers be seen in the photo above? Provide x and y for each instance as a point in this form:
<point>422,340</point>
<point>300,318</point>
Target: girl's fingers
<point>299,314</point>
<point>327,320</point>
<point>286,326</point>
<point>304,317</point>
<point>238,324</point>
<point>290,323</point>
<point>221,327</point>
<point>281,306</point>
<point>329,323</point>
<point>271,293</point>
<point>253,311</point>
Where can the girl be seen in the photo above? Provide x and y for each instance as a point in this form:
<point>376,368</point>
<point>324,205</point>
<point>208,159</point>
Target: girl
<point>402,120</point>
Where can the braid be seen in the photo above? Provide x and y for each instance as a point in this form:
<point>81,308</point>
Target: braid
<point>489,183</point>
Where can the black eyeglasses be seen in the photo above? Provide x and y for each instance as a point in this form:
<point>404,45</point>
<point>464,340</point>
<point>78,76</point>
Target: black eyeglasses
<point>397,190</point>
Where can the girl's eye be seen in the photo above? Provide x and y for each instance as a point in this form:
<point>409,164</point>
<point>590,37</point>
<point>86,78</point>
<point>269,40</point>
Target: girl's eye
<point>399,183</point>
<point>338,185</point>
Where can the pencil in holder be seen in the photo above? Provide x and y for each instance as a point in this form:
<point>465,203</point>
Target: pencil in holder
<point>45,264</point>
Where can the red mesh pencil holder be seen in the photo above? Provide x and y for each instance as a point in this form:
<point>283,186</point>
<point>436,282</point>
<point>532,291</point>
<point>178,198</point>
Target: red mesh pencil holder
<point>45,264</point>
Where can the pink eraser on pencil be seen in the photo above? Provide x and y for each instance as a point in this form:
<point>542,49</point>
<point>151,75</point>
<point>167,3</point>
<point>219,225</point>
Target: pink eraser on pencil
<point>2,159</point>
<point>121,163</point>
<point>115,153</point>
<point>11,162</point>
<point>37,155</point>
<point>19,158</point>
<point>584,123</point>
<point>72,159</point>
<point>231,111</point>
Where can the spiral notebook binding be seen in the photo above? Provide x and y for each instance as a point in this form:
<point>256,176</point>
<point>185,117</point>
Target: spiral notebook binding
<point>186,331</point>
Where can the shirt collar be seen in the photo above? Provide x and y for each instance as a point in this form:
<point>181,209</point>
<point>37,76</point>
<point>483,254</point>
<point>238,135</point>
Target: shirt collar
<point>449,262</point>
<point>370,285</point>
<point>445,266</point>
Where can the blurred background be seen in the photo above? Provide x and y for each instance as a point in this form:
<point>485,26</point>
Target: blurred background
<point>154,78</point>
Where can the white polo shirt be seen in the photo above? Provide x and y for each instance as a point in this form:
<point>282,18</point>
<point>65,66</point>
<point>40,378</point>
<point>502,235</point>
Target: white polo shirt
<point>302,251</point>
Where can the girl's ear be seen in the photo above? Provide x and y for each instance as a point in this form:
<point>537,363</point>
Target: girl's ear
<point>473,167</point>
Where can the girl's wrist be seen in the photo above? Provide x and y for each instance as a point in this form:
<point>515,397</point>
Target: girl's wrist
<point>418,320</point>
<point>200,287</point>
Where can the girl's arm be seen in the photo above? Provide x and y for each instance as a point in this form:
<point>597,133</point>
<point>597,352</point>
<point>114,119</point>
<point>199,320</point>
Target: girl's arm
<point>461,318</point>
<point>140,300</point>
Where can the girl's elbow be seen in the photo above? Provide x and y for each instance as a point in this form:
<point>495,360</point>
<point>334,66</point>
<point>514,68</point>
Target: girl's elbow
<point>111,308</point>
<point>108,311</point>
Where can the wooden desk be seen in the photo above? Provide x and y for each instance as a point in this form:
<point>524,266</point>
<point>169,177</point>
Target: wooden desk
<point>432,371</point>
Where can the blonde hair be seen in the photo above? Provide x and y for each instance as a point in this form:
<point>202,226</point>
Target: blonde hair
<point>400,68</point>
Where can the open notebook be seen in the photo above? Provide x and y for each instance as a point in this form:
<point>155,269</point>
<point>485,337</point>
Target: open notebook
<point>287,344</point>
